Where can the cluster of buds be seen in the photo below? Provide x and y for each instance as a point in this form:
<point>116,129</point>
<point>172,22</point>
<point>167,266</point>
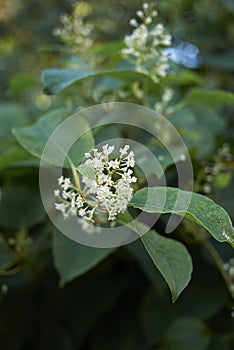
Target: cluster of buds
<point>162,107</point>
<point>106,187</point>
<point>75,31</point>
<point>145,47</point>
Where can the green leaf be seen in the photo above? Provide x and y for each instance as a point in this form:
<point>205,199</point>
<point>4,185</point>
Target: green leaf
<point>187,333</point>
<point>183,78</point>
<point>210,98</point>
<point>73,259</point>
<point>34,137</point>
<point>138,251</point>
<point>16,156</point>
<point>87,171</point>
<point>201,210</point>
<point>57,79</point>
<point>170,257</point>
<point>11,115</point>
<point>164,158</point>
<point>172,260</point>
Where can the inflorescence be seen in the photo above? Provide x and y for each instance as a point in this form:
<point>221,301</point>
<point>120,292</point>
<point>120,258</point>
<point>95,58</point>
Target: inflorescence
<point>75,31</point>
<point>145,47</point>
<point>107,187</point>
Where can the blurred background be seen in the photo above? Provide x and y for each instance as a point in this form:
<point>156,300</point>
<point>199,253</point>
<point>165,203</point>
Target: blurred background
<point>122,303</point>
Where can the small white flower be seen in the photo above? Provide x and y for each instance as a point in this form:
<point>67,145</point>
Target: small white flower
<point>61,207</point>
<point>133,22</point>
<point>79,201</point>
<point>123,151</point>
<point>130,160</point>
<point>82,212</point>
<point>148,20</point>
<point>65,194</point>
<point>66,184</point>
<point>114,164</point>
<point>56,193</point>
<point>106,149</point>
<point>140,14</point>
<point>60,180</point>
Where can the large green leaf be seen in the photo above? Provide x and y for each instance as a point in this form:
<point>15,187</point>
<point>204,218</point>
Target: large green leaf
<point>73,259</point>
<point>172,260</point>
<point>201,210</point>
<point>169,256</point>
<point>34,137</point>
<point>57,79</point>
<point>209,98</point>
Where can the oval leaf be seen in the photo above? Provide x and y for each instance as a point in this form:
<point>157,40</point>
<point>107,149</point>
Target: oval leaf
<point>201,210</point>
<point>209,98</point>
<point>34,137</point>
<point>57,79</point>
<point>172,260</point>
<point>170,257</point>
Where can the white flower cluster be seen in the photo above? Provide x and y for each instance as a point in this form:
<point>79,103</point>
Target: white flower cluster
<point>75,32</point>
<point>107,186</point>
<point>145,46</point>
<point>162,106</point>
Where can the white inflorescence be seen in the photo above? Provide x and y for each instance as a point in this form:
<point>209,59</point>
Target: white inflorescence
<point>145,46</point>
<point>75,31</point>
<point>108,191</point>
